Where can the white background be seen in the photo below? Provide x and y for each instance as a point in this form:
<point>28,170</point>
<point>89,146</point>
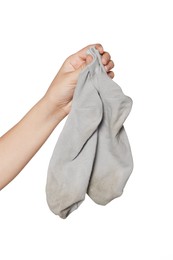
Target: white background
<point>35,38</point>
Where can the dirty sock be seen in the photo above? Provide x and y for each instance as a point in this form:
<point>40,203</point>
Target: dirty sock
<point>113,162</point>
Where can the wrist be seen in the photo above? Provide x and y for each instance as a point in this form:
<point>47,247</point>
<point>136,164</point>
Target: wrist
<point>54,112</point>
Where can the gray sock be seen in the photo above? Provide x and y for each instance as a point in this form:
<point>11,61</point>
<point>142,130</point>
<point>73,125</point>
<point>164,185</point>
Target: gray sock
<point>72,160</point>
<point>113,162</point>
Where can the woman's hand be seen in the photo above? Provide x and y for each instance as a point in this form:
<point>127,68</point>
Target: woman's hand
<point>61,90</point>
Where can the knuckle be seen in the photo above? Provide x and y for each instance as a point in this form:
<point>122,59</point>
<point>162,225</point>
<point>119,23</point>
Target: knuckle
<point>112,63</point>
<point>107,56</point>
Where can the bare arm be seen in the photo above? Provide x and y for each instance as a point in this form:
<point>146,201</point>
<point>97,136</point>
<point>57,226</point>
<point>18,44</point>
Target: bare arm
<point>20,143</point>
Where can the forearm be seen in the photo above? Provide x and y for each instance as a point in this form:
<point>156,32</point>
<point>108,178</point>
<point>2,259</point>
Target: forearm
<point>21,142</point>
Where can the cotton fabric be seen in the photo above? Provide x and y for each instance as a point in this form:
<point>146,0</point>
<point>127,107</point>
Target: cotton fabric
<point>92,154</point>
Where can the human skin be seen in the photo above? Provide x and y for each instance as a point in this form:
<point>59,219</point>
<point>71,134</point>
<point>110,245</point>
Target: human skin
<point>23,140</point>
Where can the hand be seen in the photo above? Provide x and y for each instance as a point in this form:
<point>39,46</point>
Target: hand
<point>61,90</point>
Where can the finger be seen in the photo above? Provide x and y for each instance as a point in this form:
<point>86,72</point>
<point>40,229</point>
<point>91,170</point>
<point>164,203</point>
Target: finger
<point>106,58</point>
<point>111,74</point>
<point>89,59</point>
<point>99,47</point>
<point>109,66</point>
<point>83,52</point>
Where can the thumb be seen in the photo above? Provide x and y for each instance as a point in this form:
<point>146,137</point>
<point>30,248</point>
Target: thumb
<point>88,60</point>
